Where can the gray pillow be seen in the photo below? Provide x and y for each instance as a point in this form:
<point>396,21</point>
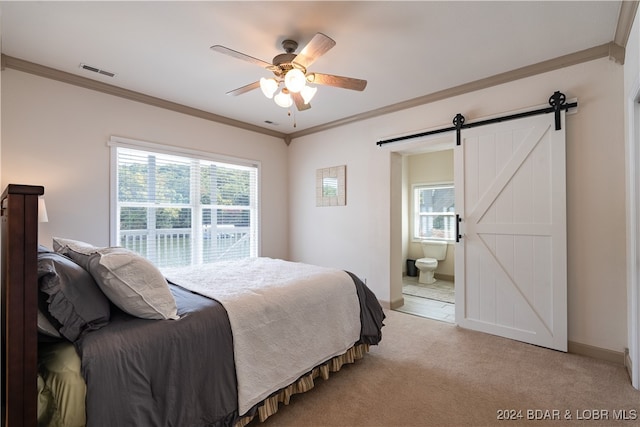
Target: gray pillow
<point>46,328</point>
<point>129,280</point>
<point>75,249</point>
<point>74,303</point>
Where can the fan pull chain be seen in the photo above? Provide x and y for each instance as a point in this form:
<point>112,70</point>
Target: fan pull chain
<point>294,117</point>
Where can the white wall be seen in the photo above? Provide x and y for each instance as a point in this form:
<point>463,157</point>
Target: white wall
<point>632,132</point>
<point>55,134</point>
<point>360,236</point>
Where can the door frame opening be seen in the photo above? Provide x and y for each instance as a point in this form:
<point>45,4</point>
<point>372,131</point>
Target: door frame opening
<point>398,155</point>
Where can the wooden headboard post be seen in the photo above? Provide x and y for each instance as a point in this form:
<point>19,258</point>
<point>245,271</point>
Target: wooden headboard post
<point>19,211</point>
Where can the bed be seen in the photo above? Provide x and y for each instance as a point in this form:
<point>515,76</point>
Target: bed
<point>219,345</point>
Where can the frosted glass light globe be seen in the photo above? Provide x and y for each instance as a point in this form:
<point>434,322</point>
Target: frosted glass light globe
<point>307,93</point>
<point>294,80</point>
<point>268,86</point>
<point>283,99</point>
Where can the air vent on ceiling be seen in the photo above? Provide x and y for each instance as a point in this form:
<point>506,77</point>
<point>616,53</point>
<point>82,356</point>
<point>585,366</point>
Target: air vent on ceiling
<point>97,70</point>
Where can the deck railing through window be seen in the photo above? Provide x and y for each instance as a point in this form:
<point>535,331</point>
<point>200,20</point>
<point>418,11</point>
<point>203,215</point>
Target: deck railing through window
<point>176,247</point>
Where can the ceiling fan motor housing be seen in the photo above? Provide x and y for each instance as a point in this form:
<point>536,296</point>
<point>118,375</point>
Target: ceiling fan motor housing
<point>284,63</point>
<point>289,46</point>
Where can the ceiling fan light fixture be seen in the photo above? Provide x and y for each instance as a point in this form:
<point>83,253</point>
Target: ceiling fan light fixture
<point>308,93</point>
<point>290,69</point>
<point>268,86</point>
<point>295,80</point>
<point>283,99</point>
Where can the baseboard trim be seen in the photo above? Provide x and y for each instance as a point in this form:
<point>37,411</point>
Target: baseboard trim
<point>616,357</point>
<point>392,305</point>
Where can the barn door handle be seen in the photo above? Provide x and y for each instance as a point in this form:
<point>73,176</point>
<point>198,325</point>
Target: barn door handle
<point>458,221</point>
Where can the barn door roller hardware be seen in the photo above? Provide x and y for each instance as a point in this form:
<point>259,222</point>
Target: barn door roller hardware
<point>557,103</point>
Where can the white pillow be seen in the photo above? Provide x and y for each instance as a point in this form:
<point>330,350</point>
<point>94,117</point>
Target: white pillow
<point>129,280</point>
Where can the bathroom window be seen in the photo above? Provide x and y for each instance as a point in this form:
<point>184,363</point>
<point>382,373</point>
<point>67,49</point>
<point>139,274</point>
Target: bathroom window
<point>434,212</point>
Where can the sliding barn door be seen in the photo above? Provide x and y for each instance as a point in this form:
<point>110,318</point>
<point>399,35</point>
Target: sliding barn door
<point>511,274</point>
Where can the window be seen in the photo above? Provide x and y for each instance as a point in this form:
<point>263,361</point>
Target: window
<point>181,209</point>
<point>434,212</point>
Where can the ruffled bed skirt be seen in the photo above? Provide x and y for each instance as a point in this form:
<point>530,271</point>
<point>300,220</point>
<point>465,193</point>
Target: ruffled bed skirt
<point>270,405</point>
<point>50,415</point>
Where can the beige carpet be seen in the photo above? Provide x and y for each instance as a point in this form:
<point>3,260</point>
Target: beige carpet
<point>439,291</point>
<point>430,373</point>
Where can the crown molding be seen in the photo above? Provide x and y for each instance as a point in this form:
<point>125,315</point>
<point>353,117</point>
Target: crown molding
<point>613,50</point>
<point>597,52</point>
<point>84,82</point>
<point>627,14</point>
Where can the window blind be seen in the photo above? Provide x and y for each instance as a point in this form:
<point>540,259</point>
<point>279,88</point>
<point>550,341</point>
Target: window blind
<point>181,210</point>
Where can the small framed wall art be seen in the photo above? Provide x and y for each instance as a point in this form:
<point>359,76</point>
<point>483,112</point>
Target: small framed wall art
<point>331,186</point>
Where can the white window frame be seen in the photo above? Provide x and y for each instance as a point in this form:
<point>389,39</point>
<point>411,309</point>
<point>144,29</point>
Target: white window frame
<point>118,142</point>
<point>415,210</point>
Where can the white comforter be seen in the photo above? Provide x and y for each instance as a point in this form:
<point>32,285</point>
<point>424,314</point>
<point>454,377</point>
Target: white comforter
<point>285,317</point>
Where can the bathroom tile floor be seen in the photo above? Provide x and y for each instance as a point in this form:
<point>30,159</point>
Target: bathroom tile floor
<point>425,307</point>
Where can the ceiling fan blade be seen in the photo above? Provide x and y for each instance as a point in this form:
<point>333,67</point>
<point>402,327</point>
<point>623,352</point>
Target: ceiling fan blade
<point>300,105</point>
<point>337,81</point>
<point>318,46</point>
<point>242,56</point>
<point>244,89</point>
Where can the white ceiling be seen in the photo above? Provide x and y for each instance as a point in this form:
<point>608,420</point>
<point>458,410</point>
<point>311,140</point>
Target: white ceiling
<point>404,50</point>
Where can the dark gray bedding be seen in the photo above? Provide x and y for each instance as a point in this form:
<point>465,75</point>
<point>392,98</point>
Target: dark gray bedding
<point>175,372</point>
<point>371,314</point>
<point>162,372</point>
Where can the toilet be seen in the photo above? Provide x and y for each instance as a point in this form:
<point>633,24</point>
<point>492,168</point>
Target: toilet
<point>433,251</point>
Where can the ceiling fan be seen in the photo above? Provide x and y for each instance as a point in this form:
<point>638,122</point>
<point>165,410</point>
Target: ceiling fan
<point>291,72</point>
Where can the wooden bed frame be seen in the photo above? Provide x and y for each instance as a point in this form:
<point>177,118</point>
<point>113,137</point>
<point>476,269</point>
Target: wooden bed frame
<point>19,254</point>
<point>19,211</point>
